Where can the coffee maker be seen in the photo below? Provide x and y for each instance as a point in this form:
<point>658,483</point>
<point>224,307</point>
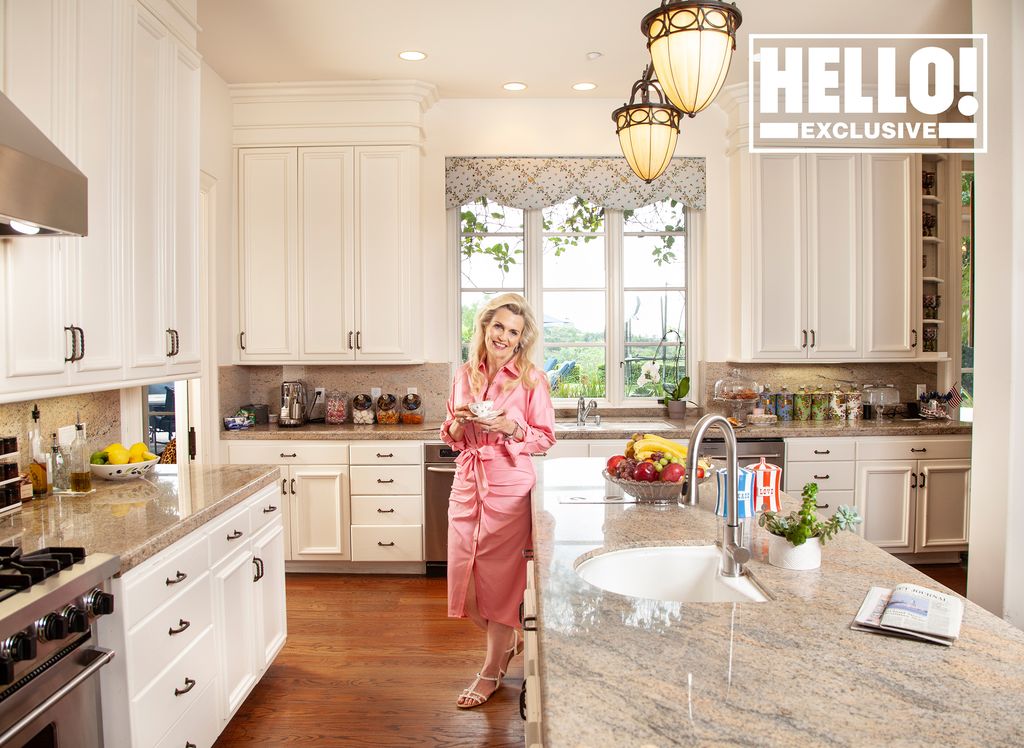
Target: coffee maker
<point>293,404</point>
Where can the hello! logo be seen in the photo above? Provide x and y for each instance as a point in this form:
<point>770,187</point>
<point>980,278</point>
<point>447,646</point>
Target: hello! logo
<point>868,93</point>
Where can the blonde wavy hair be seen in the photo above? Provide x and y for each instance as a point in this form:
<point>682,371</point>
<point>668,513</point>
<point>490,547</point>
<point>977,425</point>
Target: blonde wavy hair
<point>523,357</point>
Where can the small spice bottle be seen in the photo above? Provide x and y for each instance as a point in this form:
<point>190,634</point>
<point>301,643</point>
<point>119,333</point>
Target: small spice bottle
<point>412,409</point>
<point>362,409</point>
<point>337,407</point>
<point>387,409</point>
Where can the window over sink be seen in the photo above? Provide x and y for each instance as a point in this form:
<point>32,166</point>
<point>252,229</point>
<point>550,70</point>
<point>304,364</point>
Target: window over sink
<point>609,284</point>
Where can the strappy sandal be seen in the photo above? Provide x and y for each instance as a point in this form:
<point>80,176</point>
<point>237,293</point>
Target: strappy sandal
<point>475,698</point>
<point>518,644</point>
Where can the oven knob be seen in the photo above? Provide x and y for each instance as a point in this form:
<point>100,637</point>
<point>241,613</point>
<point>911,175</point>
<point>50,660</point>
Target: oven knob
<point>51,627</point>
<point>6,671</point>
<point>78,621</point>
<point>99,603</point>
<point>19,647</point>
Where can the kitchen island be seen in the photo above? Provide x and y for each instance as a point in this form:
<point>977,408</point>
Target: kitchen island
<point>616,670</point>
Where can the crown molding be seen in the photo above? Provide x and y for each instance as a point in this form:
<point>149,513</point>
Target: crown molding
<point>423,94</point>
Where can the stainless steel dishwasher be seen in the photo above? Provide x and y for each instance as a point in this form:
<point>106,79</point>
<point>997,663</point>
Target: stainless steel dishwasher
<point>749,450</point>
<point>438,474</point>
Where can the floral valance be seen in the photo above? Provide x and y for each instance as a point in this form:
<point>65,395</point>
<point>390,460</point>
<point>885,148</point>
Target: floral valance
<point>532,183</point>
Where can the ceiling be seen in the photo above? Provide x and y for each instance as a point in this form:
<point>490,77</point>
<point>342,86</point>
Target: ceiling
<point>475,47</point>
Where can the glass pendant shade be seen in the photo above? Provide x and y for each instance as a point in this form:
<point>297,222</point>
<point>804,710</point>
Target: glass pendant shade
<point>691,44</point>
<point>647,129</point>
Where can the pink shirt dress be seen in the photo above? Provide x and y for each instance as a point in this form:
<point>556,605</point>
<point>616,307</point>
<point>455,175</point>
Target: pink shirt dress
<point>489,519</point>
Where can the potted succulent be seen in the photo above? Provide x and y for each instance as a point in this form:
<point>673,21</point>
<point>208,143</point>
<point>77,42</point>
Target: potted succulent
<point>796,540</point>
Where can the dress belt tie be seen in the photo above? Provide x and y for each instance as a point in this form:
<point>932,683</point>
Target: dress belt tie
<point>474,458</point>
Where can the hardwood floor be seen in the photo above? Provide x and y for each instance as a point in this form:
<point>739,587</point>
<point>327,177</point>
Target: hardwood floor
<point>374,661</point>
<point>953,576</point>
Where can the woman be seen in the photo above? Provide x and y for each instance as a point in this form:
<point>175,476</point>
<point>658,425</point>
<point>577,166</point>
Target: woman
<point>489,524</point>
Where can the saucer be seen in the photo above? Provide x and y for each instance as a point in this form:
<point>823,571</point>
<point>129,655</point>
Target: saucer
<point>493,414</point>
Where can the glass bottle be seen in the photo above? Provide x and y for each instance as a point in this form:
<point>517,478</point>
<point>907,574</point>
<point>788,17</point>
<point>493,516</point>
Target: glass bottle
<point>37,465</point>
<point>56,469</point>
<point>81,477</point>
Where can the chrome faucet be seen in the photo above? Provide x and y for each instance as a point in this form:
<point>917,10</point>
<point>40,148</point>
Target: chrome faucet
<point>583,409</point>
<point>734,555</point>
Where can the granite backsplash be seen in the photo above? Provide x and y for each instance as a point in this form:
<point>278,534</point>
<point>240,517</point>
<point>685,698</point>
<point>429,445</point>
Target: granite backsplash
<point>100,411</point>
<point>241,385</point>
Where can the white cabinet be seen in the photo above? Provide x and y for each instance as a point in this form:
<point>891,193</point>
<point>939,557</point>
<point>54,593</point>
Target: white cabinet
<point>332,230</point>
<point>829,463</point>
<point>195,627</point>
<point>387,501</point>
<point>892,259</point>
<point>914,494</point>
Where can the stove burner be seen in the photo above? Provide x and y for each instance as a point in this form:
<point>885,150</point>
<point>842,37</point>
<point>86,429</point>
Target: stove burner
<point>20,571</point>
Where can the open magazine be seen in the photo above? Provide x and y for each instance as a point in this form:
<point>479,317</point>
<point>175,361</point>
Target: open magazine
<point>911,611</point>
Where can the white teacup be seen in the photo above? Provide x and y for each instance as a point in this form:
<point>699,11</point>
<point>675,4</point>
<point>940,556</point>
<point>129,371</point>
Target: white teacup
<point>482,409</point>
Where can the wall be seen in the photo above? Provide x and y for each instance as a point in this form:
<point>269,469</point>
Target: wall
<point>560,127</point>
<point>995,577</point>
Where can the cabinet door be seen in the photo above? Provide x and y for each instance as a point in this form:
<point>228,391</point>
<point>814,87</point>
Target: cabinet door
<point>833,255</point>
<point>326,253</point>
<point>385,246</point>
<point>234,615</point>
<point>271,621</point>
<point>268,272</point>
<point>184,258</point>
<point>892,260</point>
<point>149,286</point>
<point>943,505</point>
<point>886,499</point>
<point>779,256</point>
<point>319,513</point>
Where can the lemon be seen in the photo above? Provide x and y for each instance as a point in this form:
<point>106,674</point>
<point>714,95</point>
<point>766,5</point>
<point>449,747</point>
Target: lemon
<point>135,458</point>
<point>118,456</point>
<point>149,456</point>
<point>114,446</point>
<point>138,448</point>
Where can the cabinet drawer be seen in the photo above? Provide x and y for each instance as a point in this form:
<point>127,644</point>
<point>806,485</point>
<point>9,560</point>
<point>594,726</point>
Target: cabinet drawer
<point>386,479</point>
<point>387,543</point>
<point>266,508</point>
<point>829,500</point>
<point>224,534</point>
<point>152,645</point>
<point>387,510</point>
<point>913,449</point>
<point>171,574</point>
<point>158,707</point>
<point>830,476</point>
<point>288,453</point>
<point>199,725</point>
<point>812,450</point>
<point>386,453</point>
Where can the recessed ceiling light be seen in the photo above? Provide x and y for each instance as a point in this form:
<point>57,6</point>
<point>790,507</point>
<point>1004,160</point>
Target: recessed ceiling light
<point>514,86</point>
<point>584,86</point>
<point>412,55</point>
<point>593,55</point>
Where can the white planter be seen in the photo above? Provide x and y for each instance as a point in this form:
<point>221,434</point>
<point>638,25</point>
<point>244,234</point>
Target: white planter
<point>785,555</point>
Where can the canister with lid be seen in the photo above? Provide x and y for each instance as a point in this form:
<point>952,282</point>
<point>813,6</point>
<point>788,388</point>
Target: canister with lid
<point>819,405</point>
<point>836,405</point>
<point>766,400</point>
<point>362,409</point>
<point>784,404</point>
<point>387,409</point>
<point>802,405</point>
<point>337,407</point>
<point>854,405</point>
<point>412,409</point>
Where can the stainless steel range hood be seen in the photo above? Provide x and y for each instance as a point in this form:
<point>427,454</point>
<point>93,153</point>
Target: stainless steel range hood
<point>39,187</point>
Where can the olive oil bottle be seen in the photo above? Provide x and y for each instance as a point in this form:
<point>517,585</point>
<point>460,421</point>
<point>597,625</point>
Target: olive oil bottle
<point>81,476</point>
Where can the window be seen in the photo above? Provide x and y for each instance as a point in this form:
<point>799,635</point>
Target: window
<point>967,290</point>
<point>158,407</point>
<point>607,286</point>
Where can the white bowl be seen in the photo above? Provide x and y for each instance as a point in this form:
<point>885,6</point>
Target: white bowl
<point>482,409</point>
<point>123,472</point>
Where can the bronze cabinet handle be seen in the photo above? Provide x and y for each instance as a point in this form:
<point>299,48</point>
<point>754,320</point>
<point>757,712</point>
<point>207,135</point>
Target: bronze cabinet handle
<point>385,545</point>
<point>80,333</point>
<point>913,480</point>
<point>241,340</point>
<point>822,477</point>
<point>923,481</point>
<point>179,577</point>
<point>823,451</point>
<point>389,480</point>
<point>182,625</point>
<point>284,486</point>
<point>189,685</point>
<point>814,340</point>
<point>170,341</point>
<point>270,508</point>
<point>914,344</point>
<point>292,454</point>
<point>359,340</point>
<point>350,340</point>
<point>389,454</point>
<point>293,486</point>
<point>74,346</point>
<point>235,535</point>
<point>803,338</point>
<point>922,449</point>
<point>386,511</point>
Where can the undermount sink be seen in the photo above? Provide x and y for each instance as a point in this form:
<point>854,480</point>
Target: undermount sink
<point>638,426</point>
<point>685,574</point>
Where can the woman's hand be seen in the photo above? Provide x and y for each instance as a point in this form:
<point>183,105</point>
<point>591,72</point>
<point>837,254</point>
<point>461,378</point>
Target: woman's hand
<point>463,413</point>
<point>499,424</point>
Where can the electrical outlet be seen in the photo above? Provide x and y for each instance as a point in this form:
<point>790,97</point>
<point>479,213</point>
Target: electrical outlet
<point>66,435</point>
<point>319,393</point>
<point>375,392</point>
<point>411,391</point>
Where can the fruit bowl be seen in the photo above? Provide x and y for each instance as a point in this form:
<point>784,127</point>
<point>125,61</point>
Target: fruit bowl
<point>123,472</point>
<point>657,491</point>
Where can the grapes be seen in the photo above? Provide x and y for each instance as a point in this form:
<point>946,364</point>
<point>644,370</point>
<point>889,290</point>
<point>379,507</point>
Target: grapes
<point>659,466</point>
<point>663,461</point>
<point>656,456</point>
<point>625,469</point>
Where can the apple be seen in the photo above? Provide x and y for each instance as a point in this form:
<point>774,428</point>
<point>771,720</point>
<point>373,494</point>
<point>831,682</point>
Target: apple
<point>673,472</point>
<point>613,462</point>
<point>645,471</point>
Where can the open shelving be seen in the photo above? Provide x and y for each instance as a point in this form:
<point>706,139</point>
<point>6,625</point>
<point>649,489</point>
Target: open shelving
<point>934,179</point>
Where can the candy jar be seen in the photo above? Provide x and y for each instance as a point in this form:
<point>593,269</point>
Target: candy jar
<point>387,409</point>
<point>362,409</point>
<point>337,407</point>
<point>412,409</point>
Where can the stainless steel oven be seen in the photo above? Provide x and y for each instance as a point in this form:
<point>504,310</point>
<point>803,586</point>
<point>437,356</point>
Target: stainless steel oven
<point>438,474</point>
<point>49,664</point>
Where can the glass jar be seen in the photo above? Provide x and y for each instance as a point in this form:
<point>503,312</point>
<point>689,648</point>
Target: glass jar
<point>387,409</point>
<point>337,407</point>
<point>362,409</point>
<point>736,387</point>
<point>412,409</point>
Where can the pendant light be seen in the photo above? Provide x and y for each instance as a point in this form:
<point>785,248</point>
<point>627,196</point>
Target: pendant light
<point>647,130</point>
<point>691,44</point>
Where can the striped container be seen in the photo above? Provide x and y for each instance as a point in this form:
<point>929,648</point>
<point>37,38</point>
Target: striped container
<point>767,484</point>
<point>746,491</point>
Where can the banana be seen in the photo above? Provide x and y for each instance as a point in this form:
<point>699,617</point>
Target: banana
<point>648,446</point>
<point>667,443</point>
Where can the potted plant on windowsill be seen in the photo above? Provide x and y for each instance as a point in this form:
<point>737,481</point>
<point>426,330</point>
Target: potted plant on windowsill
<point>796,540</point>
<point>675,398</point>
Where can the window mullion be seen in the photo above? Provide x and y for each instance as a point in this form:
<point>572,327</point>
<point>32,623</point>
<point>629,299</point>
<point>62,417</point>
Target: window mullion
<point>614,380</point>
<point>533,277</point>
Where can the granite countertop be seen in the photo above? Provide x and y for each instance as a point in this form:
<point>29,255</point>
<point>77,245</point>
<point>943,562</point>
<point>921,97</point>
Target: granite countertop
<point>624,671</point>
<point>675,429</point>
<point>135,519</point>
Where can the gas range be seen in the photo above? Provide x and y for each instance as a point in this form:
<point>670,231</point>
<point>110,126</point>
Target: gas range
<point>49,600</point>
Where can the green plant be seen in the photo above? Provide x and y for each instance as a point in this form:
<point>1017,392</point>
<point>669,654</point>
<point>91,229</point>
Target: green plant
<point>799,526</point>
<point>679,392</point>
